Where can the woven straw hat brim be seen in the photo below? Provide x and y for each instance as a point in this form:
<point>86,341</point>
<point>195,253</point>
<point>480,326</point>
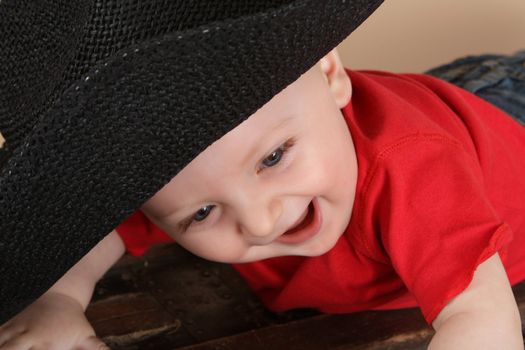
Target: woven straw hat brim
<point>113,137</point>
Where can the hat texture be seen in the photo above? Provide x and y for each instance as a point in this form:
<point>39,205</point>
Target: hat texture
<point>102,102</point>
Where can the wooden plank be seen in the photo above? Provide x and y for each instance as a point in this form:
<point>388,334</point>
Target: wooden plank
<point>402,329</point>
<point>170,299</point>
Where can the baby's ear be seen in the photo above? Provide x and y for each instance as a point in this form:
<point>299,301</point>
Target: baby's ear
<point>335,75</point>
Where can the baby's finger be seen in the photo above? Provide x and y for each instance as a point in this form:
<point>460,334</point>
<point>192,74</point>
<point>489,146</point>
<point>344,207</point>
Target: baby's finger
<point>16,343</point>
<point>92,343</point>
<point>8,332</point>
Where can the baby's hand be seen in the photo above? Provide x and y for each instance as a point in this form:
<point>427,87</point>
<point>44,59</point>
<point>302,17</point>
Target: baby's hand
<point>54,321</point>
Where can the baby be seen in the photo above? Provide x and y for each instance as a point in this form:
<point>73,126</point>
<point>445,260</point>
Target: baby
<point>347,191</point>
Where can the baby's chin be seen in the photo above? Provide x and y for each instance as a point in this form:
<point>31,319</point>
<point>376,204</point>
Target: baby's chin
<point>313,248</point>
<point>320,247</point>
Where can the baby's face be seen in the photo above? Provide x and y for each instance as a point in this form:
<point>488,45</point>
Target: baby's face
<point>280,183</point>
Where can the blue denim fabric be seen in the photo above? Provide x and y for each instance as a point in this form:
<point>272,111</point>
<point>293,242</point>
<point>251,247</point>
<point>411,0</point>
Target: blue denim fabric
<point>496,78</point>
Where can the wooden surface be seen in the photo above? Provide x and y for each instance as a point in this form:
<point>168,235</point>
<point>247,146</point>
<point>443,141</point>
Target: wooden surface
<point>170,299</point>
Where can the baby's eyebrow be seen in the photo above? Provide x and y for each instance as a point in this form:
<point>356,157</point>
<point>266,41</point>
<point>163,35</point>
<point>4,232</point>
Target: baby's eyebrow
<point>284,121</point>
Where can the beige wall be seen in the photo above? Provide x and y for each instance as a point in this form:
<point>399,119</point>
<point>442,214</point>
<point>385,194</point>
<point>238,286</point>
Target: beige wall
<point>413,35</point>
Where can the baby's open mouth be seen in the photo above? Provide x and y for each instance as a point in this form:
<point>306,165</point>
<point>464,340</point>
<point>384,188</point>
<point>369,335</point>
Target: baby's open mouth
<point>307,228</point>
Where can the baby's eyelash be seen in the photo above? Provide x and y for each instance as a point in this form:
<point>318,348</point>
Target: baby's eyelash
<point>284,148</point>
<point>183,226</point>
<point>288,145</point>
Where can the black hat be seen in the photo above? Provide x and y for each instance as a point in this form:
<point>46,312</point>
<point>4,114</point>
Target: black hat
<point>102,102</point>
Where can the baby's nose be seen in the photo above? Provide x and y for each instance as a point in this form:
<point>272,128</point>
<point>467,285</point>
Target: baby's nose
<point>260,218</point>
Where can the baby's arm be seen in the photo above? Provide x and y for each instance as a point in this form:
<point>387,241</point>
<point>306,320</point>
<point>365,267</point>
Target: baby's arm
<point>483,316</point>
<point>56,320</point>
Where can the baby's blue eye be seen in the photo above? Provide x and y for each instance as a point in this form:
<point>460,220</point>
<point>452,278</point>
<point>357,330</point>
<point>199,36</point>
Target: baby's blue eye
<point>203,212</point>
<point>274,157</point>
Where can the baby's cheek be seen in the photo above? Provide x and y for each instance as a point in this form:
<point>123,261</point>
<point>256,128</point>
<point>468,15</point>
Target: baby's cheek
<point>214,247</point>
<point>325,243</point>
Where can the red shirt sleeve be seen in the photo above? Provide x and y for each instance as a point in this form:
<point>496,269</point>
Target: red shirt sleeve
<point>434,220</point>
<point>139,233</point>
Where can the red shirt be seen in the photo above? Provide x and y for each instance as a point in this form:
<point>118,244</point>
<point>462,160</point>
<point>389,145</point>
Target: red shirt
<point>441,188</point>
